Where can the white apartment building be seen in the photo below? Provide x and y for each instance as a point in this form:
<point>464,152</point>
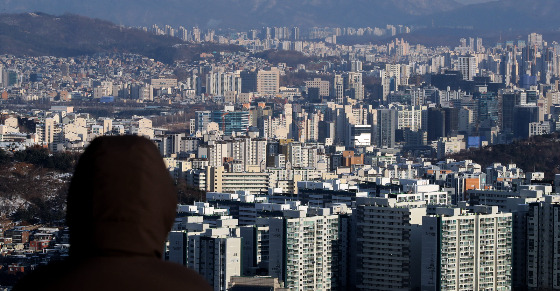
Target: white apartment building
<point>303,250</point>
<point>468,67</point>
<point>467,251</point>
<point>409,117</point>
<point>214,251</point>
<point>217,180</point>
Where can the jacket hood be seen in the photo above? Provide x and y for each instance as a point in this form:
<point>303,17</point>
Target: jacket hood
<point>121,200</point>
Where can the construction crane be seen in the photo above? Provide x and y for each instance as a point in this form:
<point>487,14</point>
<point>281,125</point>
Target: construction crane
<point>224,121</point>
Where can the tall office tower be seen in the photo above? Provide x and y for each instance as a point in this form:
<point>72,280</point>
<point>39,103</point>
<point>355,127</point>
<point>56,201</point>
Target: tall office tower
<point>388,233</point>
<point>354,85</point>
<point>248,81</point>
<point>506,68</point>
<point>436,123</point>
<point>451,120</point>
<point>522,117</point>
<point>327,131</point>
<point>183,33</point>
<point>466,121</point>
<point>295,33</point>
<point>488,109</point>
<point>268,81</point>
<point>468,66</point>
<point>467,251</point>
<point>543,239</point>
<point>304,250</point>
<point>387,120</point>
<point>339,89</point>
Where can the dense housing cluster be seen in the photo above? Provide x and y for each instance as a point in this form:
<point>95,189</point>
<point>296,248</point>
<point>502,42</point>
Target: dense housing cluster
<point>320,175</point>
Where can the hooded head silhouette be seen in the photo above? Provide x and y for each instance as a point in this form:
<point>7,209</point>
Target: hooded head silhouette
<point>121,200</point>
<point>121,206</point>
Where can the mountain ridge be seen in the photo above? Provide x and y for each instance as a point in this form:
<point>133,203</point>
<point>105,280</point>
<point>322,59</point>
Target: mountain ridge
<point>35,34</point>
<point>248,14</point>
<point>240,13</point>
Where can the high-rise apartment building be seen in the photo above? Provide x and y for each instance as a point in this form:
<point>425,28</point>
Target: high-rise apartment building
<point>543,244</point>
<point>339,89</point>
<point>386,126</point>
<point>468,66</point>
<point>467,251</point>
<point>304,250</point>
<point>354,85</point>
<point>385,248</point>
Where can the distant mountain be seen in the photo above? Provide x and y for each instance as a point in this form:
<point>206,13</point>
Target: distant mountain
<point>72,35</point>
<point>504,15</point>
<point>244,14</point>
<point>240,13</point>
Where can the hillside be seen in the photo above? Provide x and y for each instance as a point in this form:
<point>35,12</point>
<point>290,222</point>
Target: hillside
<point>538,153</point>
<point>35,34</point>
<point>33,185</point>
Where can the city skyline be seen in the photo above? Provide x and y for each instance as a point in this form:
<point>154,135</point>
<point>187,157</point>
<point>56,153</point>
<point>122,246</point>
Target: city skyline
<point>324,157</point>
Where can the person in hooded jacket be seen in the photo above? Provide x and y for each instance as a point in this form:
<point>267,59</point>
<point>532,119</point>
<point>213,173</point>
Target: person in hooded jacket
<point>120,208</point>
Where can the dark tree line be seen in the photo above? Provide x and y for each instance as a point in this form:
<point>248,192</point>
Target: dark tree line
<point>187,194</point>
<point>538,153</point>
<point>42,157</point>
